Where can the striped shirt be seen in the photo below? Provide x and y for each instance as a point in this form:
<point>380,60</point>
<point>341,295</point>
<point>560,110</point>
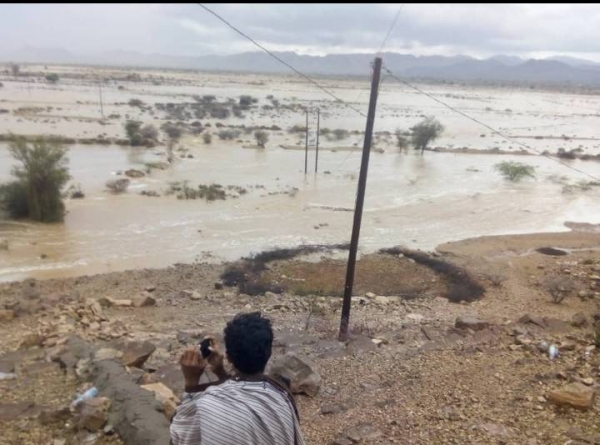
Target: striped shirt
<point>236,413</point>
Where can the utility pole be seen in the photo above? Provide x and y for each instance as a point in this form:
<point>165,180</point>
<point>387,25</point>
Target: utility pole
<point>306,146</point>
<point>317,151</point>
<point>100,93</point>
<point>360,198</point>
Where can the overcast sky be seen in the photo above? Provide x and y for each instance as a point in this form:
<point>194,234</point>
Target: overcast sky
<point>478,30</point>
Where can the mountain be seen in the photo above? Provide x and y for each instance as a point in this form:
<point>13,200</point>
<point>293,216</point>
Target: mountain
<point>501,68</point>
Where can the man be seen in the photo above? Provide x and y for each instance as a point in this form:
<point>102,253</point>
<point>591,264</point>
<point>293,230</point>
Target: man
<point>246,409</point>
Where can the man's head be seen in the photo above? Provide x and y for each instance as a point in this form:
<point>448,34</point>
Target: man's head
<point>248,341</point>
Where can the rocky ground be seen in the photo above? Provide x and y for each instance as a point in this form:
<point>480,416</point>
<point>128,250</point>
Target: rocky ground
<point>416,370</point>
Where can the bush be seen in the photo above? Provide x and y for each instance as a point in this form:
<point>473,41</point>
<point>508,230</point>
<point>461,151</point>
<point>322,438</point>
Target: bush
<point>340,134</point>
<point>426,131</point>
<point>515,171</point>
<point>207,138</point>
<point>228,134</point>
<point>149,132</point>
<point>136,103</point>
<point>402,139</point>
<point>118,185</point>
<point>52,77</point>
<point>261,137</point>
<point>172,131</point>
<point>36,192</point>
<point>559,288</point>
<point>132,128</point>
<point>246,101</point>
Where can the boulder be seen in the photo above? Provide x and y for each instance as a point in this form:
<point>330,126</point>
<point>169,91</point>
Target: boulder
<point>525,319</point>
<point>579,320</point>
<point>109,302</point>
<point>107,354</point>
<point>332,408</point>
<point>31,340</point>
<point>576,395</point>
<point>362,432</point>
<point>6,314</point>
<point>93,413</point>
<point>133,173</point>
<point>165,396</point>
<point>299,371</point>
<point>144,300</point>
<point>468,322</point>
<point>136,353</point>
<point>54,415</point>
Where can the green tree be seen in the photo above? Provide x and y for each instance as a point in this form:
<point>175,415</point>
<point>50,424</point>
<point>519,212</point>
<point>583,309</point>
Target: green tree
<point>426,131</point>
<point>36,191</point>
<point>515,171</point>
<point>262,137</point>
<point>52,77</point>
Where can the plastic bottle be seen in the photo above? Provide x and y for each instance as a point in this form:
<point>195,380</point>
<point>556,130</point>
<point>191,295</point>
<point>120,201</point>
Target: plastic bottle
<point>553,352</point>
<point>89,394</point>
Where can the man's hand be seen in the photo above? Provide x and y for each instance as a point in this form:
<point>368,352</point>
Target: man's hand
<point>192,366</point>
<point>215,359</point>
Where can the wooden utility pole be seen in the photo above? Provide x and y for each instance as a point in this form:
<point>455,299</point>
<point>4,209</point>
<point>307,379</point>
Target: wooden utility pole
<point>101,106</point>
<point>360,198</point>
<point>306,146</point>
<point>317,148</point>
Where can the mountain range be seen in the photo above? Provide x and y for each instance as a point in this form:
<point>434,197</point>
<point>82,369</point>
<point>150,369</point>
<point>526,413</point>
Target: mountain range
<point>560,70</point>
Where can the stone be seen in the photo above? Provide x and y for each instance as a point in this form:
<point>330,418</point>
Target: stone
<point>579,320</point>
<point>107,354</point>
<point>6,314</point>
<point>93,413</point>
<point>370,295</point>
<point>497,430</point>
<point>588,381</point>
<point>525,319</point>
<point>56,415</point>
<point>362,432</point>
<point>14,411</point>
<point>218,285</point>
<point>110,302</point>
<point>299,371</point>
<point>384,301</point>
<point>270,295</point>
<point>342,441</point>
<point>417,318</point>
<point>360,345</point>
<point>468,322</point>
<point>136,353</point>
<point>377,341</point>
<point>195,295</point>
<point>133,173</point>
<point>332,408</point>
<point>165,396</point>
<point>144,300</point>
<point>575,395</point>
<point>31,340</point>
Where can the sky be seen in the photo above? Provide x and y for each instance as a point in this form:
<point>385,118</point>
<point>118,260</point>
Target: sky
<point>478,30</point>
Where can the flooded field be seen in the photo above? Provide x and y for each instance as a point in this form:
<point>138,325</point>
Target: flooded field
<point>418,201</point>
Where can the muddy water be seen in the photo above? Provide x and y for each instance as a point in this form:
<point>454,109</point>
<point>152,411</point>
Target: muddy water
<point>411,200</point>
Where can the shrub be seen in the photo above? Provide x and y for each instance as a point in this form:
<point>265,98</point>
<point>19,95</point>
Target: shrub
<point>136,103</point>
<point>149,132</point>
<point>36,192</point>
<point>402,139</point>
<point>246,101</point>
<point>172,131</point>
<point>118,185</point>
<point>52,77</point>
<point>340,134</point>
<point>228,134</point>
<point>132,128</point>
<point>262,137</point>
<point>515,171</point>
<point>559,288</point>
<point>207,138</point>
<point>426,131</point>
<point>297,129</point>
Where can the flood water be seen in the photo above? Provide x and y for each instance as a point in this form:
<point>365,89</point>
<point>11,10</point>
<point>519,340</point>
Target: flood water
<point>417,201</point>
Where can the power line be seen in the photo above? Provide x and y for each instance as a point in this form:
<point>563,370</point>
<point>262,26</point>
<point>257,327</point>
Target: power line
<point>387,36</point>
<point>281,60</point>
<point>493,130</point>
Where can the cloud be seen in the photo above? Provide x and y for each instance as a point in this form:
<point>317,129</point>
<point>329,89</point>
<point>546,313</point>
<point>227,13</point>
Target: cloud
<point>187,29</point>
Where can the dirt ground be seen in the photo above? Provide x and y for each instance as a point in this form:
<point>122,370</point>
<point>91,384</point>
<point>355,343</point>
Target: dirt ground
<point>423,381</point>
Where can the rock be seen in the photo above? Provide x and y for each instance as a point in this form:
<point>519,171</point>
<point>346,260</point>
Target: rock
<point>384,301</point>
<point>494,429</point>
<point>136,353</point>
<point>150,288</point>
<point>342,441</point>
<point>332,408</point>
<point>144,300</point>
<point>360,345</point>
<point>93,413</point>
<point>132,173</point>
<point>48,416</point>
<point>299,371</point>
<point>370,295</point>
<point>195,296</point>
<point>270,295</point>
<point>362,432</point>
<point>525,319</point>
<point>14,411</point>
<point>6,314</point>
<point>579,320</point>
<point>218,285</point>
<point>165,396</point>
<point>468,322</point>
<point>109,301</point>
<point>377,341</point>
<point>588,381</point>
<point>575,395</point>
<point>31,340</point>
<point>417,318</point>
<point>107,354</point>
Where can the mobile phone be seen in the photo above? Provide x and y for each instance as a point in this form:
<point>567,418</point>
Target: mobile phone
<point>204,348</point>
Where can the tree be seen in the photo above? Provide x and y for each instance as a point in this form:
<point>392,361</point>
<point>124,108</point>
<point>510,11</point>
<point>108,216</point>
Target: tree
<point>52,77</point>
<point>426,131</point>
<point>149,133</point>
<point>207,137</point>
<point>515,171</point>
<point>262,137</point>
<point>173,133</point>
<point>36,191</point>
<point>402,139</point>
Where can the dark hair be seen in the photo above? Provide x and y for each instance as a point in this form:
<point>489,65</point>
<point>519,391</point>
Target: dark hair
<point>248,341</point>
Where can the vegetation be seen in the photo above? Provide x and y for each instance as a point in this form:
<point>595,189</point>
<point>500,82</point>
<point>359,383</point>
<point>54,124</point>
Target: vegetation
<point>515,171</point>
<point>52,77</point>
<point>402,139</point>
<point>207,138</point>
<point>340,134</point>
<point>247,101</point>
<point>118,186</point>
<point>173,133</point>
<point>141,136</point>
<point>75,192</point>
<point>559,288</point>
<point>136,103</point>
<point>261,137</point>
<point>426,131</point>
<point>35,192</point>
<point>228,134</point>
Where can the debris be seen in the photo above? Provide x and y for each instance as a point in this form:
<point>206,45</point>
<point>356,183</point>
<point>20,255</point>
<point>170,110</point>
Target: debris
<point>89,394</point>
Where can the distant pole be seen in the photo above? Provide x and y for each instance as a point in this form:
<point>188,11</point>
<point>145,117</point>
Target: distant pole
<point>306,146</point>
<point>317,151</point>
<point>100,94</point>
<point>29,87</point>
<point>360,198</point>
